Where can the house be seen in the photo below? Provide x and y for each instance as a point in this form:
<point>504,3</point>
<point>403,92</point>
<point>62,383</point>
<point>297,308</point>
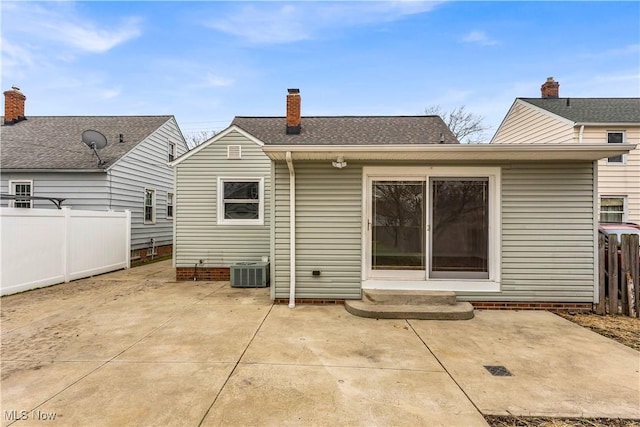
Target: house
<point>554,120</point>
<point>44,157</point>
<point>345,204</point>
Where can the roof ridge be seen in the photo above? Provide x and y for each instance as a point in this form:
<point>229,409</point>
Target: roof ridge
<point>104,116</point>
<point>341,116</point>
<point>582,97</point>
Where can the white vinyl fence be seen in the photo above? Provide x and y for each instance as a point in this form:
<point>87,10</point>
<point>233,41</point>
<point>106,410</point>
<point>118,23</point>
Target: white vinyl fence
<point>42,247</point>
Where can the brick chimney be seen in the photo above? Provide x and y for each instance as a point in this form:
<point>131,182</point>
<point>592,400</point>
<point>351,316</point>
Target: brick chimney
<point>550,88</point>
<point>13,106</point>
<point>293,112</point>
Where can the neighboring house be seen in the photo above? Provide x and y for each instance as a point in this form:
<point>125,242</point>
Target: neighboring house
<point>44,156</point>
<point>342,204</point>
<point>551,119</point>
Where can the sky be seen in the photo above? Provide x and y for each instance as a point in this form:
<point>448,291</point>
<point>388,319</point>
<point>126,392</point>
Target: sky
<point>207,61</point>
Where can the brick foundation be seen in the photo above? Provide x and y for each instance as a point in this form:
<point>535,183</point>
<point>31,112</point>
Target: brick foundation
<point>479,305</point>
<point>139,256</point>
<point>317,301</point>
<point>203,273</point>
<point>519,305</point>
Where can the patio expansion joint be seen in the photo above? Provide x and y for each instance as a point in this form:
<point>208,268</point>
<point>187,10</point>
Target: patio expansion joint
<point>235,367</point>
<point>309,365</point>
<point>445,369</point>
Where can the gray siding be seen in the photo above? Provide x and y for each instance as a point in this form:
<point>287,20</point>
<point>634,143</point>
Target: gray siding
<point>146,166</point>
<point>198,236</point>
<point>328,231</point>
<point>547,232</point>
<point>281,234</point>
<point>81,190</point>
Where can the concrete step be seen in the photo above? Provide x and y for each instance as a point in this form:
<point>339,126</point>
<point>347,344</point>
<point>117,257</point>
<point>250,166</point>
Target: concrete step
<point>392,297</point>
<point>457,311</point>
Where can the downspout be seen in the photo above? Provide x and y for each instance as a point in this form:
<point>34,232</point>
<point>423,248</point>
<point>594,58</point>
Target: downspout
<point>292,231</point>
<point>580,134</point>
<point>109,177</point>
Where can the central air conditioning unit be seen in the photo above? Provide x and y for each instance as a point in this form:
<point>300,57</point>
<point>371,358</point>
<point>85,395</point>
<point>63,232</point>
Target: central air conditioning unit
<point>250,274</point>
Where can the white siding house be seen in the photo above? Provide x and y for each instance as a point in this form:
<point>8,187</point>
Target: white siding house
<point>551,119</point>
<point>44,156</point>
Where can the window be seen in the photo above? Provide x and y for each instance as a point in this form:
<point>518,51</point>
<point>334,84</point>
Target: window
<point>172,151</point>
<point>240,201</point>
<point>169,205</point>
<point>21,188</point>
<point>612,209</point>
<point>615,138</point>
<point>149,206</point>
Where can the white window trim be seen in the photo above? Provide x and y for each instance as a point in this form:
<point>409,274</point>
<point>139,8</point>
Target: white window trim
<point>624,140</point>
<point>172,204</point>
<point>220,209</point>
<point>153,206</point>
<point>12,191</point>
<point>625,205</point>
<point>171,151</point>
<point>492,284</point>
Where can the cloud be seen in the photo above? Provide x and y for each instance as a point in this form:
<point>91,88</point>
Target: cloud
<point>632,49</point>
<point>623,84</point>
<point>58,25</point>
<point>281,24</point>
<point>479,37</point>
<point>15,56</point>
<point>89,39</point>
<point>278,23</point>
<point>110,93</point>
<point>213,80</point>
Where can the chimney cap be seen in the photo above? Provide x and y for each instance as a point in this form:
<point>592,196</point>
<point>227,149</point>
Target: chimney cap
<point>550,79</point>
<point>293,91</point>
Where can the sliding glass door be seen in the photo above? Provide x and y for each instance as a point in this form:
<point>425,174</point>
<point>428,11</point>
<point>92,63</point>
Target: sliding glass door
<point>429,228</point>
<point>459,228</point>
<point>398,225</point>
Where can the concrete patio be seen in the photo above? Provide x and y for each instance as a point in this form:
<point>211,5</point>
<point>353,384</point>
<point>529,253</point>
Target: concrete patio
<point>136,348</point>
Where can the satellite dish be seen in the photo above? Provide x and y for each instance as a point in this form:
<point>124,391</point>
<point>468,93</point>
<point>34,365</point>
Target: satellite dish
<point>96,141</point>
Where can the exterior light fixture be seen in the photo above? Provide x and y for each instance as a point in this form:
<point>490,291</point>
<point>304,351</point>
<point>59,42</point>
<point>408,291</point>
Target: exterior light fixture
<point>339,163</point>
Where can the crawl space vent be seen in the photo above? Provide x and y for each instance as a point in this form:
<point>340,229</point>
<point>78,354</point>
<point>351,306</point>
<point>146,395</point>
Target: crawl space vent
<point>234,152</point>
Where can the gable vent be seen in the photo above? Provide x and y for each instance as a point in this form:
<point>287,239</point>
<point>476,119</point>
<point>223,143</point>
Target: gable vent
<point>234,152</point>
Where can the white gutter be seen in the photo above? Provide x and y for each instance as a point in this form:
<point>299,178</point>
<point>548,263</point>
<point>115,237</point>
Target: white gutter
<point>292,231</point>
<point>446,148</point>
<point>580,135</point>
<point>603,124</point>
<point>451,152</point>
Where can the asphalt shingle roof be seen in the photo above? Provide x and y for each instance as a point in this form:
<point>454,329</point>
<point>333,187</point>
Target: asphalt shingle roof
<point>591,110</point>
<point>55,142</point>
<point>349,130</point>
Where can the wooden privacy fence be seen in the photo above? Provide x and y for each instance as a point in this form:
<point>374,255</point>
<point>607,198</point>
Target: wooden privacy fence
<point>619,281</point>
